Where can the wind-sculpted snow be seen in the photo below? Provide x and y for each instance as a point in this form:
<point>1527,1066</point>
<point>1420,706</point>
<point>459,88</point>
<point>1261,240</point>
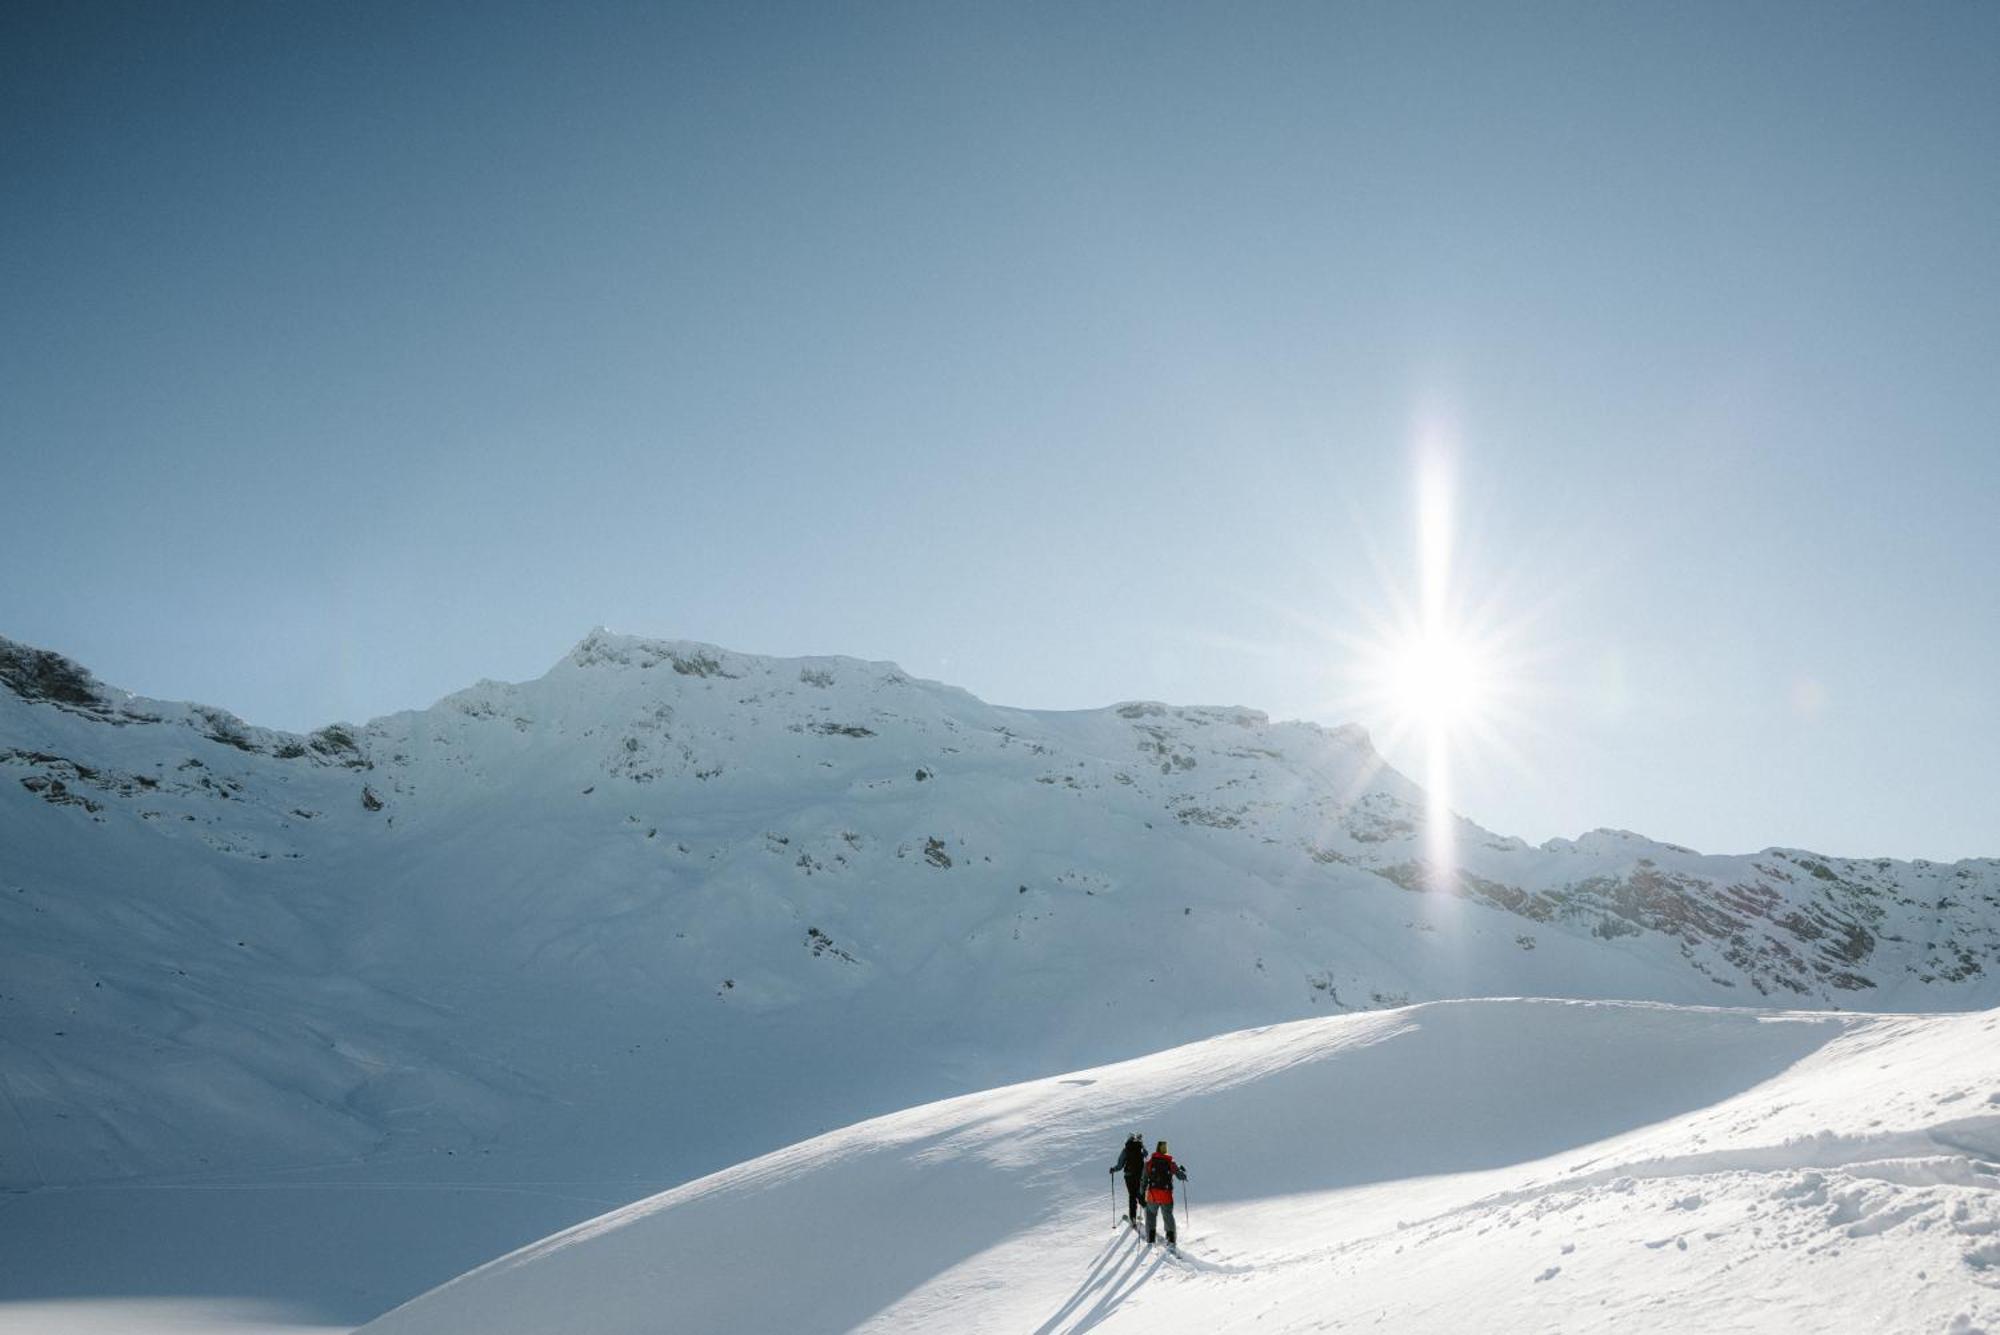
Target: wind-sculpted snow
<point>1542,1164</point>
<point>670,906</point>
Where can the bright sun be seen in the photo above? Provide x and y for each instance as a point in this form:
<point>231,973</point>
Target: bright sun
<point>1436,680</point>
<point>1433,672</point>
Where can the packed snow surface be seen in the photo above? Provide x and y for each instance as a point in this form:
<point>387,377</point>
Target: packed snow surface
<point>1508,1165</point>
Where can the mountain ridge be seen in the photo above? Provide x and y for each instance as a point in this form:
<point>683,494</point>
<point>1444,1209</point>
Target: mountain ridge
<point>409,935</point>
<point>49,676</point>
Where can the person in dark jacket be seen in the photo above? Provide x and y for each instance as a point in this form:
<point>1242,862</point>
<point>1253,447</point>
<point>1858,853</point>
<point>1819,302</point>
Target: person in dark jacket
<point>1161,1172</point>
<point>1132,1161</point>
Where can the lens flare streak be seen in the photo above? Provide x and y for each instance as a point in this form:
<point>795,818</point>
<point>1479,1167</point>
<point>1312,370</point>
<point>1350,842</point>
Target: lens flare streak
<point>1438,674</point>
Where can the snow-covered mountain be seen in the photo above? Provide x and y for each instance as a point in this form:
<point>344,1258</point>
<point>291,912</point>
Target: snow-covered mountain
<point>666,880</point>
<point>668,907</point>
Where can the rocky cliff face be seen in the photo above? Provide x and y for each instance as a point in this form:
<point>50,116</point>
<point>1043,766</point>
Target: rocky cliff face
<point>685,880</point>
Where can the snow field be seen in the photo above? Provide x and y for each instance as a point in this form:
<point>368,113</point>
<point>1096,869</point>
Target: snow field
<point>1499,1165</point>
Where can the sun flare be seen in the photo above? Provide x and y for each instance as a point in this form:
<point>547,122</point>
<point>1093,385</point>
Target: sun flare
<point>1436,680</point>
<point>1431,669</point>
<point>1442,666</point>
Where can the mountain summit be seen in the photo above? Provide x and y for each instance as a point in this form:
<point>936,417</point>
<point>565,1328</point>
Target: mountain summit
<point>639,900</point>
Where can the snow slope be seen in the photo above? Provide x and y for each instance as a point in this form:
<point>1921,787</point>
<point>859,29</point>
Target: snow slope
<point>1490,1165</point>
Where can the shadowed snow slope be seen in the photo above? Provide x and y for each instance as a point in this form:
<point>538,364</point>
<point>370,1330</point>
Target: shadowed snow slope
<point>1499,1165</point>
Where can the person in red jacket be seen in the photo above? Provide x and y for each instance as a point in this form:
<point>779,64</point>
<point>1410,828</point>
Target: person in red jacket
<point>1161,1170</point>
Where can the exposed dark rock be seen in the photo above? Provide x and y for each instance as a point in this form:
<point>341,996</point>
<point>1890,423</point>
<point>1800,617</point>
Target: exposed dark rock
<point>336,743</point>
<point>1209,816</point>
<point>226,728</point>
<point>698,664</point>
<point>822,944</point>
<point>48,678</point>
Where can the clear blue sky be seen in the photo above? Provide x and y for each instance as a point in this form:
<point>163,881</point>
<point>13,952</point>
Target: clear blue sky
<point>1070,353</point>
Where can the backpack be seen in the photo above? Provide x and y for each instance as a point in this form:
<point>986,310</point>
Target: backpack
<point>1160,1172</point>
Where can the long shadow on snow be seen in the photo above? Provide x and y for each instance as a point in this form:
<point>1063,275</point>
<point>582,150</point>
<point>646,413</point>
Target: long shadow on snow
<point>1117,1287</point>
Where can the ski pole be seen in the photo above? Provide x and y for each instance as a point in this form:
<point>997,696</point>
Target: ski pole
<point>1114,1200</point>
